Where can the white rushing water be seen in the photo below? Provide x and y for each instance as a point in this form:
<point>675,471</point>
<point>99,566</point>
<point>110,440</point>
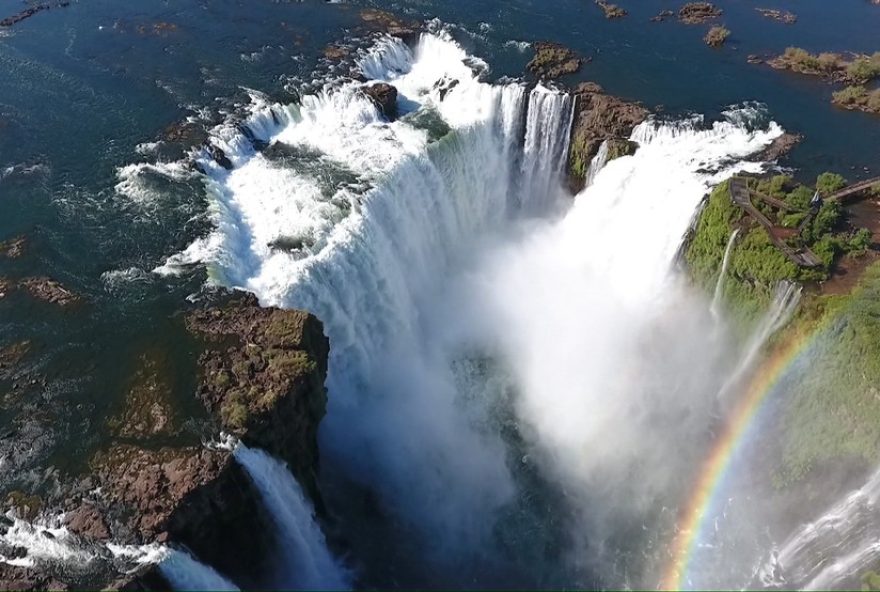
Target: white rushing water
<point>184,572</point>
<point>446,235</point>
<point>306,562</point>
<point>51,547</point>
<point>833,550</point>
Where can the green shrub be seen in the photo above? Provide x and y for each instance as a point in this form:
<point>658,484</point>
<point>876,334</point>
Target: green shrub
<point>863,70</point>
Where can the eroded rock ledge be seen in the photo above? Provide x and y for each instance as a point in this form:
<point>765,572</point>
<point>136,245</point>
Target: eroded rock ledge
<point>599,117</point>
<point>261,377</point>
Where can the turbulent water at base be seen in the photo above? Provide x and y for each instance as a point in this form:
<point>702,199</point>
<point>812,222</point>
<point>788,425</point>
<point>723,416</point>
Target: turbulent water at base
<point>184,572</point>
<point>51,547</point>
<point>443,240</point>
<point>832,551</point>
<point>305,563</point>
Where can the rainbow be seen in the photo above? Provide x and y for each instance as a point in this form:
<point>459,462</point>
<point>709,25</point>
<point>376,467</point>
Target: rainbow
<point>724,450</point>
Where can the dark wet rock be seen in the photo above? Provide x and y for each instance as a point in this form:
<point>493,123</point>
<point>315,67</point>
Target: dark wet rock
<point>662,16</point>
<point>611,10</point>
<point>13,248</point>
<point>12,355</point>
<point>598,117</point>
<point>783,16</point>
<point>386,22</point>
<point>618,147</point>
<point>5,287</point>
<point>49,290</point>
<point>219,156</point>
<point>779,147</point>
<point>192,496</point>
<point>89,522</point>
<point>268,387</point>
<point>754,58</point>
<point>31,11</point>
<point>694,13</point>
<point>553,60</point>
<point>160,29</point>
<point>384,96</point>
<point>336,52</point>
<point>185,132</point>
<point>19,579</point>
<point>444,85</point>
<point>148,410</point>
<point>26,506</point>
<point>716,36</point>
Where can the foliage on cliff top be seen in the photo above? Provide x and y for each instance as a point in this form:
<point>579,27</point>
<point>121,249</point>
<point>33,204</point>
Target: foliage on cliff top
<point>756,265</point>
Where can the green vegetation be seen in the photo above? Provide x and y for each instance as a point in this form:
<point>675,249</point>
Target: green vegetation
<point>858,97</point>
<point>756,265</point>
<point>870,581</point>
<point>864,69</point>
<point>716,36</point>
<point>800,60</point>
<point>834,409</point>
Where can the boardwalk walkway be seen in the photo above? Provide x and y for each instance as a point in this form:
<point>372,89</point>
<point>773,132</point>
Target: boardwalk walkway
<point>741,195</point>
<point>854,189</point>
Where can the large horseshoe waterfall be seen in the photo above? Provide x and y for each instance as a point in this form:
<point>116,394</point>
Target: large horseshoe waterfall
<point>345,295</point>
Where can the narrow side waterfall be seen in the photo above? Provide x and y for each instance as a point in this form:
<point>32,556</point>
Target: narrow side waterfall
<point>785,301</point>
<point>597,164</point>
<point>307,563</point>
<point>184,572</point>
<point>715,308</point>
<point>833,550</point>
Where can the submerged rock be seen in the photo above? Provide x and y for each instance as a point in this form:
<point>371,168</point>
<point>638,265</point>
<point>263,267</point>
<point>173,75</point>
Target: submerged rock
<point>783,16</point>
<point>611,10</point>
<point>49,290</point>
<point>694,13</point>
<point>384,96</point>
<point>148,410</point>
<point>553,60</point>
<point>599,117</point>
<point>13,248</point>
<point>662,16</point>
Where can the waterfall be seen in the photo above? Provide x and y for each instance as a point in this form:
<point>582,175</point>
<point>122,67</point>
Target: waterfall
<point>715,308</point>
<point>785,301</point>
<point>597,164</point>
<point>307,562</point>
<point>184,572</point>
<point>832,550</point>
<point>439,236</point>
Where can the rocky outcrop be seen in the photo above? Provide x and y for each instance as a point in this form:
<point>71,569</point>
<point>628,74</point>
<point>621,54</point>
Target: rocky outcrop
<point>779,147</point>
<point>29,12</point>
<point>716,36</point>
<point>385,97</point>
<point>266,382</point>
<point>662,16</point>
<point>13,248</point>
<point>49,290</point>
<point>18,579</point>
<point>386,22</point>
<point>262,374</point>
<point>782,16</point>
<point>611,10</point>
<point>553,60</point>
<point>598,117</point>
<point>694,13</point>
